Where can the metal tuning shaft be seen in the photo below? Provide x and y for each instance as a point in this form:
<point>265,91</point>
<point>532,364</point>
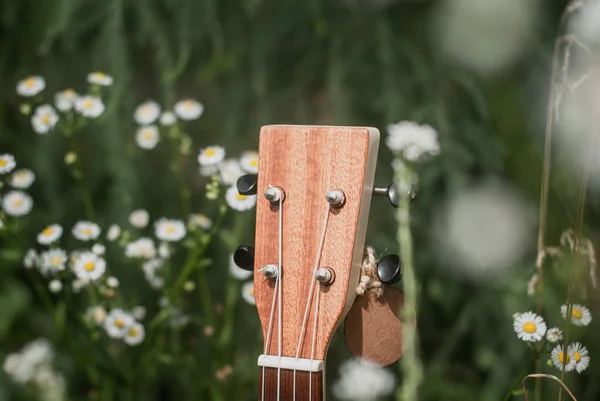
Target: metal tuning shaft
<point>392,194</point>
<point>389,269</point>
<point>244,257</point>
<point>246,184</point>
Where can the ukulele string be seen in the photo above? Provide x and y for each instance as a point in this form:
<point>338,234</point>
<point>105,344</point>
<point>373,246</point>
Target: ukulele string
<point>311,290</point>
<point>275,297</point>
<point>312,347</point>
<point>280,277</point>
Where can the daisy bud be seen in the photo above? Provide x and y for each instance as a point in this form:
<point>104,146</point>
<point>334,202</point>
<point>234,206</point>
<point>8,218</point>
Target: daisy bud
<point>25,109</point>
<point>112,282</point>
<point>185,145</point>
<point>55,286</point>
<point>209,331</point>
<point>70,158</point>
<point>189,286</point>
<point>99,249</point>
<point>139,312</point>
<point>109,293</point>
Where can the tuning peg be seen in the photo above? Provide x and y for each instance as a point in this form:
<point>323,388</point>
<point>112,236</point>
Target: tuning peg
<point>246,184</point>
<point>389,269</point>
<point>392,194</point>
<point>244,257</point>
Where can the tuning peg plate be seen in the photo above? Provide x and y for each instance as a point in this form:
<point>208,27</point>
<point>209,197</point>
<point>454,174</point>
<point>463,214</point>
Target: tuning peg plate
<point>244,257</point>
<point>246,184</point>
<point>389,269</point>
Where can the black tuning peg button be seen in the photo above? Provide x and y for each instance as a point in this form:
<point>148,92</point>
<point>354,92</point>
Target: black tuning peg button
<point>246,184</point>
<point>244,257</point>
<point>389,269</point>
<point>392,194</point>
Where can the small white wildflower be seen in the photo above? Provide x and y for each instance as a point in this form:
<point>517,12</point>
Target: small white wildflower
<point>163,250</point>
<point>117,322</point>
<point>199,220</point>
<point>86,230</point>
<point>229,171</point>
<point>249,162</point>
<point>113,232</point>
<point>55,286</point>
<point>89,106</point>
<point>7,163</point>
<point>178,319</point>
<point>248,292</point>
<point>147,137</point>
<point>168,118</point>
<point>31,259</point>
<point>529,327</point>
<point>24,366</point>
<point>99,249</point>
<point>44,119</point>
<point>554,335</point>
<point>139,218</point>
<point>169,230</point>
<point>147,113</point>
<point>17,203</point>
<point>237,272</point>
<point>22,178</point>
<point>135,334</point>
<point>112,282</point>
<point>580,355</point>
<point>50,234</point>
<point>559,359</point>
<point>78,284</point>
<point>239,202</point>
<point>580,315</point>
<point>139,312</point>
<point>207,171</point>
<point>188,109</point>
<point>151,267</point>
<point>52,261</point>
<point>100,78</point>
<point>163,302</point>
<point>362,381</point>
<point>97,314</point>
<point>412,140</point>
<point>65,100</point>
<point>89,266</point>
<point>141,248</point>
<point>31,86</point>
<point>211,156</point>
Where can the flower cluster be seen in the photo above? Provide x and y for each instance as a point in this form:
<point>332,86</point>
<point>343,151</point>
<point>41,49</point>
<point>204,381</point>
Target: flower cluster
<point>16,202</point>
<point>412,141</point>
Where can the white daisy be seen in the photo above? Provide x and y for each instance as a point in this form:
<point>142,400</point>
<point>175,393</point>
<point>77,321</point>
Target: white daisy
<point>559,359</point>
<point>89,106</point>
<point>100,78</point>
<point>141,248</point>
<point>65,100</point>
<point>7,163</point>
<point>97,314</point>
<point>554,335</point>
<point>147,137</point>
<point>249,162</point>
<point>31,259</point>
<point>237,272</point>
<point>170,230</point>
<point>412,140</point>
<point>31,86</point>
<point>163,250</point>
<point>150,272</point>
<point>580,355</point>
<point>211,156</point>
<point>53,261</point>
<point>360,380</point>
<point>89,266</point>
<point>50,234</point>
<point>199,220</point>
<point>147,113</point>
<point>99,249</point>
<point>237,201</point>
<point>139,218</point>
<point>529,327</point>
<point>229,171</point>
<point>188,109</point>
<point>207,171</point>
<point>580,315</point>
<point>135,334</point>
<point>44,119</point>
<point>86,230</point>
<point>168,118</point>
<point>138,312</point>
<point>117,322</point>
<point>248,292</point>
<point>113,232</point>
<point>22,178</point>
<point>112,282</point>
<point>55,286</point>
<point>17,203</point>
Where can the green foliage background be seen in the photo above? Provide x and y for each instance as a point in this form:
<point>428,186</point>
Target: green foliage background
<point>256,62</point>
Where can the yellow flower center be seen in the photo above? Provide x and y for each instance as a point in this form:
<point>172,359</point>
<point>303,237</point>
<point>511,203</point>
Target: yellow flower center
<point>170,229</point>
<point>30,82</point>
<point>577,357</point>
<point>56,260</point>
<point>133,332</point>
<point>561,358</point>
<point>100,75</point>
<point>119,323</point>
<point>46,119</point>
<point>241,197</point>
<point>529,327</point>
<point>577,313</point>
<point>17,202</point>
<point>88,104</point>
<point>69,92</point>
<point>148,134</point>
<point>252,291</point>
<point>3,163</point>
<point>254,163</point>
<point>86,231</point>
<point>209,152</point>
<point>89,266</point>
<point>48,231</point>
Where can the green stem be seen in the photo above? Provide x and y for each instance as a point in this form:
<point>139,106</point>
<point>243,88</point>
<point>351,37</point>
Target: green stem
<point>410,365</point>
<point>79,176</point>
<point>184,193</point>
<point>519,378</point>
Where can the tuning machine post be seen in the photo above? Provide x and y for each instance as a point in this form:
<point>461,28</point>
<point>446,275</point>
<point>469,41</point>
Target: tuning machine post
<point>243,257</point>
<point>392,194</point>
<point>247,184</point>
<point>389,269</point>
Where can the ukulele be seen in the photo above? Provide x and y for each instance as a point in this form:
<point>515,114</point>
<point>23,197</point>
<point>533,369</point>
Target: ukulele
<point>314,190</point>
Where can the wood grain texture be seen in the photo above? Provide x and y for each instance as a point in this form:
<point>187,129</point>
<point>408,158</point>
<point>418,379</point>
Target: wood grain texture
<point>309,386</point>
<point>308,161</point>
<point>373,328</point>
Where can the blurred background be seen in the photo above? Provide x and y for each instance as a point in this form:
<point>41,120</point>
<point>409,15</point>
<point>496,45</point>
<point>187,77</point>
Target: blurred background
<point>478,71</point>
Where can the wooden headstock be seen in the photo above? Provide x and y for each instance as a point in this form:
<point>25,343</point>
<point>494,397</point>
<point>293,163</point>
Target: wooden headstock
<point>306,162</point>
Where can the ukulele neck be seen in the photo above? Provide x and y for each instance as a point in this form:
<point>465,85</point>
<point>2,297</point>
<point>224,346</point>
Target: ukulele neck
<point>299,380</point>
